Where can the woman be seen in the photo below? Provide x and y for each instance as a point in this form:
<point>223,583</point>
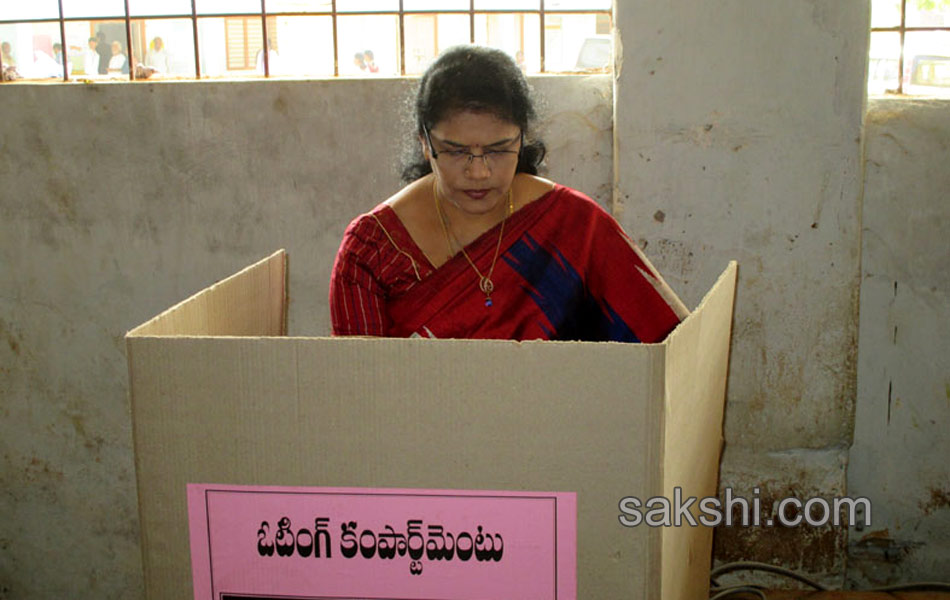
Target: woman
<point>477,245</point>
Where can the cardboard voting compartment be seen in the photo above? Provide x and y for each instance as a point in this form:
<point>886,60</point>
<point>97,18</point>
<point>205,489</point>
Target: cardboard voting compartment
<point>221,395</point>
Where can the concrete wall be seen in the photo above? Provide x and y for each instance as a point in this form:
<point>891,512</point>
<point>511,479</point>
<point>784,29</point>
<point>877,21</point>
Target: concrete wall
<point>738,128</point>
<point>119,200</point>
<point>901,453</point>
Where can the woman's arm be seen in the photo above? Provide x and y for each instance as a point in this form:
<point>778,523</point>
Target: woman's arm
<point>357,299</point>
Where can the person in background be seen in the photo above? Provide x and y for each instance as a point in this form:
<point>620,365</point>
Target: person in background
<point>359,60</point>
<point>102,47</point>
<point>8,70</point>
<point>45,66</point>
<point>156,57</point>
<point>6,55</point>
<point>118,63</point>
<point>58,57</point>
<point>477,245</point>
<point>90,57</point>
<point>273,59</point>
<point>370,61</point>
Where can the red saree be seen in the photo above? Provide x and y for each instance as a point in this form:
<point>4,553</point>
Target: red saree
<point>566,272</point>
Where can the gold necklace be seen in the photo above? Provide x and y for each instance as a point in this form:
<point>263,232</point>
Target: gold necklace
<point>485,283</point>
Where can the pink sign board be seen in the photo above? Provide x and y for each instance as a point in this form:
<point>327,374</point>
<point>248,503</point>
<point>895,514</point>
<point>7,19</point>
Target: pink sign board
<point>296,543</point>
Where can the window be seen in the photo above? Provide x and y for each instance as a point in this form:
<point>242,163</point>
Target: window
<point>244,39</point>
<point>910,47</point>
<point>139,39</point>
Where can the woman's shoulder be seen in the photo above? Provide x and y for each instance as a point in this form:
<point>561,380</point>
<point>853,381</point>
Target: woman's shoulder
<point>409,196</point>
<point>404,199</point>
<point>411,209</point>
<point>571,200</point>
<point>387,219</point>
<point>368,226</point>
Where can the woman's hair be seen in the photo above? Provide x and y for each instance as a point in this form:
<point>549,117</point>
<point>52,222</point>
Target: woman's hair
<point>478,79</point>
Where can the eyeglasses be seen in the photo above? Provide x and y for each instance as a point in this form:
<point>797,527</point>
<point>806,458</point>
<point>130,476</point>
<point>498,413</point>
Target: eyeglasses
<point>462,159</point>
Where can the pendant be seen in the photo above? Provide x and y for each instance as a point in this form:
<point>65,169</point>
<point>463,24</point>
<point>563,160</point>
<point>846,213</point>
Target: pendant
<point>487,287</point>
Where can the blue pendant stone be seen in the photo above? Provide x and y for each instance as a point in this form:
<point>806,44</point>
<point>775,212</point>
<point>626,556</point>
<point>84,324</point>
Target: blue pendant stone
<point>487,301</point>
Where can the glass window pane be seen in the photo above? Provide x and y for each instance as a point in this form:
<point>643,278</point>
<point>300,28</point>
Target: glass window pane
<point>884,57</point>
<point>378,34</point>
<point>163,48</point>
<point>299,6</point>
<point>928,13</point>
<point>428,35</point>
<point>515,34</point>
<point>302,46</point>
<point>572,43</point>
<point>507,4</point>
<point>28,49</point>
<point>231,46</point>
<point>366,5</point>
<point>577,5</point>
<point>93,8</point>
<point>227,7</point>
<point>435,5</point>
<point>927,63</point>
<point>886,13</point>
<point>118,57</point>
<point>148,8</point>
<point>36,9</point>
<point>83,55</point>
<point>90,48</point>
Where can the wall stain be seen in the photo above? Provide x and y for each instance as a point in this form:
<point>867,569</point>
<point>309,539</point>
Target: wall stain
<point>877,549</point>
<point>12,340</point>
<point>78,425</point>
<point>881,115</point>
<point>675,256</point>
<point>890,393</point>
<point>890,136</point>
<point>938,499</point>
<point>811,549</point>
<point>39,469</point>
<point>280,105</point>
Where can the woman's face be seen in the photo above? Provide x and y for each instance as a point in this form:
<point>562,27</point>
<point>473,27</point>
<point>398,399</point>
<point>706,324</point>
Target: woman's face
<point>474,185</point>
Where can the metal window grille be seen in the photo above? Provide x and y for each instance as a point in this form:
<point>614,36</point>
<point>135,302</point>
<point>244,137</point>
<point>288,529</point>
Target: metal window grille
<point>922,66</point>
<point>241,29</point>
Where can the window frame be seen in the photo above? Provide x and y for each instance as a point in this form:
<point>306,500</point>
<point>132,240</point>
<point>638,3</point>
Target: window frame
<point>334,13</point>
<point>902,29</point>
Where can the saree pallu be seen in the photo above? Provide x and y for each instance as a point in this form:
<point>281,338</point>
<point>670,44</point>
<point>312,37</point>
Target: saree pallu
<point>566,271</point>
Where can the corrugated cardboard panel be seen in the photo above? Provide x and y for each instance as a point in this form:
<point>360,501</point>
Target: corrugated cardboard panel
<point>697,358</point>
<point>407,413</point>
<point>401,413</point>
<point>251,302</point>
